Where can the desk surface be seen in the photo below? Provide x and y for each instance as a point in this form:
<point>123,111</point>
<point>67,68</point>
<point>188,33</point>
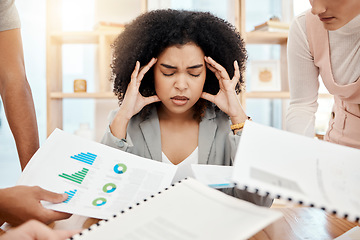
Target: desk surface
<point>304,223</point>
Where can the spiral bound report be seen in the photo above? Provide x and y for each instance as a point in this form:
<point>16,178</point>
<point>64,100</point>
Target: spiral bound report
<point>307,171</point>
<point>186,210</point>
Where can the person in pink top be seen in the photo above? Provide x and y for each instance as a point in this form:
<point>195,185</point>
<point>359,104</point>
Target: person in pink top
<point>326,40</point>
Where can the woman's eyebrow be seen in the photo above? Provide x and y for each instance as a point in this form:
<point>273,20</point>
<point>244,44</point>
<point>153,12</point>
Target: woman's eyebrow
<point>173,67</point>
<point>168,66</point>
<point>195,66</point>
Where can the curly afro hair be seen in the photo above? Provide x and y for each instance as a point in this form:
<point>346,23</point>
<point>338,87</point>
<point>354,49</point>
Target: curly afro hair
<point>152,32</point>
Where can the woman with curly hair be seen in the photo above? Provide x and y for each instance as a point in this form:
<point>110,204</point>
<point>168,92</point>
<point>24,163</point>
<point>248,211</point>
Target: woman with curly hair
<point>178,104</point>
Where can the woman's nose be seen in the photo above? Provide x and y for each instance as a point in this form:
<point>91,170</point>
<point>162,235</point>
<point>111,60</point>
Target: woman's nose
<point>318,6</point>
<point>181,82</point>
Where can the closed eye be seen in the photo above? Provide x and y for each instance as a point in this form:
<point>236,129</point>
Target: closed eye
<point>168,74</point>
<point>195,75</point>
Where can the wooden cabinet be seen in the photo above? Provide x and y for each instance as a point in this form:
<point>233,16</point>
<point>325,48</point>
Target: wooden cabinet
<point>263,37</point>
<point>272,38</point>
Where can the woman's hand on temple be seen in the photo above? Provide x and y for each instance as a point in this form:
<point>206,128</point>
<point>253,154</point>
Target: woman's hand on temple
<point>133,100</point>
<point>226,99</point>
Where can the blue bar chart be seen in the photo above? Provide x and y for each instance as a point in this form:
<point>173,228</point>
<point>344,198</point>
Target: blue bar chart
<point>87,158</point>
<point>70,194</point>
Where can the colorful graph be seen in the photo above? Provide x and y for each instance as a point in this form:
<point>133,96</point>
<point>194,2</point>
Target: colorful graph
<point>77,177</point>
<point>70,194</point>
<point>99,201</point>
<point>109,187</point>
<point>120,168</point>
<point>87,158</point>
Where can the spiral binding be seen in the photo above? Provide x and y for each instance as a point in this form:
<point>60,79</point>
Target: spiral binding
<point>121,212</point>
<point>241,187</point>
<point>266,193</point>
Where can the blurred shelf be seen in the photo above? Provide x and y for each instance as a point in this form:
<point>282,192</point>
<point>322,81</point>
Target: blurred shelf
<point>84,37</point>
<point>97,95</point>
<point>263,37</point>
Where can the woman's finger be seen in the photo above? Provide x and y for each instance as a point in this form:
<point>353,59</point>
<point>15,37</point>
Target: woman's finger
<point>222,71</point>
<point>208,96</point>
<point>236,76</point>
<point>216,72</point>
<point>211,68</point>
<point>152,99</point>
<point>135,73</point>
<point>146,68</point>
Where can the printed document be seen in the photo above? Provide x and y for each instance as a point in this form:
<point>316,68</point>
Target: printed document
<point>189,210</point>
<point>99,180</point>
<point>311,171</point>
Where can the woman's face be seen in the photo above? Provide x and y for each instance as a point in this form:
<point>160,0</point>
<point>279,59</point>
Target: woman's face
<point>180,74</point>
<point>335,13</point>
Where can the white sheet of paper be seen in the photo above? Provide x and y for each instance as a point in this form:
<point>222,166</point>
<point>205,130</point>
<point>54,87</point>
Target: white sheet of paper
<point>214,176</point>
<point>189,210</point>
<point>100,180</point>
<point>301,168</point>
<point>352,234</point>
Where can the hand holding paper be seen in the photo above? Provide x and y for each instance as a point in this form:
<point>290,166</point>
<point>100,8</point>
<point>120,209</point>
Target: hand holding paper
<point>99,180</point>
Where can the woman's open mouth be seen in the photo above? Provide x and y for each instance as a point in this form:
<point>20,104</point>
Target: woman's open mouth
<point>326,19</point>
<point>180,100</point>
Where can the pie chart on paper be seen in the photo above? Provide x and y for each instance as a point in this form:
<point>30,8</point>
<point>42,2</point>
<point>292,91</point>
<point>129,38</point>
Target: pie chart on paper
<point>120,168</point>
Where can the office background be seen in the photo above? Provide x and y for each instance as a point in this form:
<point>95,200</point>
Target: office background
<point>78,62</point>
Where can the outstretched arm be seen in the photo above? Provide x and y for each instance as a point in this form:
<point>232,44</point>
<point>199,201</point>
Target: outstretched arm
<point>33,230</point>
<point>16,95</point>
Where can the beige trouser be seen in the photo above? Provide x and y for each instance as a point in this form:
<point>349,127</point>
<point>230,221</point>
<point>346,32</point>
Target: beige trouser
<point>344,125</point>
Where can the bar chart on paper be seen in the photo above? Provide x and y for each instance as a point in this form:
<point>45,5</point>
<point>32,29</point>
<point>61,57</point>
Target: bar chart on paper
<point>70,194</point>
<point>99,180</point>
<point>77,177</point>
<point>87,158</point>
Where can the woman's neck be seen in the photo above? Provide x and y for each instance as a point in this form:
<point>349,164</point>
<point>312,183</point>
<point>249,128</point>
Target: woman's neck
<point>165,115</point>
<point>352,27</point>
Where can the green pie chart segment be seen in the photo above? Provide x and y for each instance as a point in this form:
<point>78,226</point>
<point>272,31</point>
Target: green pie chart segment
<point>109,188</point>
<point>99,202</point>
<point>120,168</point>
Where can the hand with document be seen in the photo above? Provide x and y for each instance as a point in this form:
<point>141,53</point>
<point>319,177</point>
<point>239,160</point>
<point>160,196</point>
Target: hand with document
<point>138,195</point>
<point>98,179</point>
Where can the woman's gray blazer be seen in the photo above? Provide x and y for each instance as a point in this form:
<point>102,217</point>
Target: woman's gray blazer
<point>217,144</point>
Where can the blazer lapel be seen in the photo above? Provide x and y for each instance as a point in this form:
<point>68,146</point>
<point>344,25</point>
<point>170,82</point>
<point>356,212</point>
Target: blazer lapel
<point>151,131</point>
<point>207,130</point>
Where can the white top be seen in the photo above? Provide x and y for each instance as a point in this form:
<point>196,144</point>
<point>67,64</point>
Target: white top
<point>9,17</point>
<point>303,74</point>
<point>184,168</point>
